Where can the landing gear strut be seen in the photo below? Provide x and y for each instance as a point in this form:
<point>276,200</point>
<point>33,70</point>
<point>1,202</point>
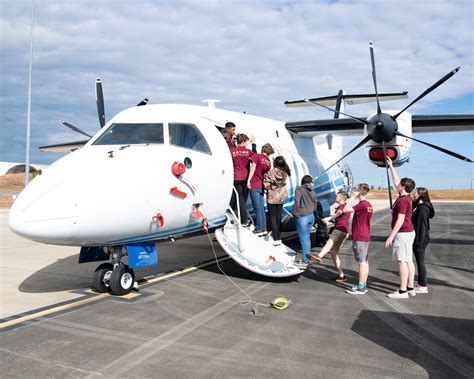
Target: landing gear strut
<point>116,276</point>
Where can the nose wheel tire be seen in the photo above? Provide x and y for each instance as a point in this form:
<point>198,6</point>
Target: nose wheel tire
<point>121,280</point>
<point>101,278</point>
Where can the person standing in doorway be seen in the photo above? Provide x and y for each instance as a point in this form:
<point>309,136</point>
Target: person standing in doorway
<point>230,128</point>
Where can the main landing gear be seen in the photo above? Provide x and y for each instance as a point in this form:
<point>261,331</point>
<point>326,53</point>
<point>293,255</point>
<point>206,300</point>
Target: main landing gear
<point>115,276</point>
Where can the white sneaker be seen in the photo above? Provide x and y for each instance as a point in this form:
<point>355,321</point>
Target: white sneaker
<point>277,243</point>
<point>411,293</point>
<point>398,295</point>
<point>421,289</point>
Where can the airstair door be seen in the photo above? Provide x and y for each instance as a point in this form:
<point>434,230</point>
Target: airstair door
<point>257,254</point>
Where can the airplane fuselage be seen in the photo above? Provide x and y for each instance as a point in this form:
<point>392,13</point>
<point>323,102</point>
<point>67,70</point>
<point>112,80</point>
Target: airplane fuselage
<point>107,193</point>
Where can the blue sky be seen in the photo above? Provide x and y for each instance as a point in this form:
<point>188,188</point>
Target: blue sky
<point>250,55</point>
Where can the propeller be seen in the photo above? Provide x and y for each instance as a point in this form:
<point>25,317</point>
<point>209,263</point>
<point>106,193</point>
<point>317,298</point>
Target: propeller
<point>443,150</point>
<point>374,76</point>
<point>383,127</point>
<point>75,128</point>
<point>99,98</point>
<point>433,87</point>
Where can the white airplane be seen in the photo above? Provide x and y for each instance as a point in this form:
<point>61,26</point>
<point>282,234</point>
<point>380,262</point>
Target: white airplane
<point>160,172</point>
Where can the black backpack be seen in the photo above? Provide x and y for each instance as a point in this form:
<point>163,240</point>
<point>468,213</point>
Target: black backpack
<point>322,232</point>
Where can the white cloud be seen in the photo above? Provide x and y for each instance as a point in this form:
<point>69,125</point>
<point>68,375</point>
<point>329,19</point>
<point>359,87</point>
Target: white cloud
<point>250,55</point>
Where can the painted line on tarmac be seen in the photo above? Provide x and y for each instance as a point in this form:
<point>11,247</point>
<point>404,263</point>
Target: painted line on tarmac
<point>91,297</point>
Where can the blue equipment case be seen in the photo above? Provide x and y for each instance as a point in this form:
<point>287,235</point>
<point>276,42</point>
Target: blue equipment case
<point>143,255</point>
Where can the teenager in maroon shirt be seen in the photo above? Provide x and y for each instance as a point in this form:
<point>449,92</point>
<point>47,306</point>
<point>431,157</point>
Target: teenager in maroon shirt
<point>338,236</point>
<point>259,165</point>
<point>360,235</point>
<point>241,158</point>
<point>402,235</point>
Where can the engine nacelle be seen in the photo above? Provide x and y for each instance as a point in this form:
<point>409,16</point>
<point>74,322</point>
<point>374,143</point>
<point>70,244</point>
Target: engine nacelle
<point>398,149</point>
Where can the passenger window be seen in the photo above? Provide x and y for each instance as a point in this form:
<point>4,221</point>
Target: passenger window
<point>128,134</point>
<point>188,136</point>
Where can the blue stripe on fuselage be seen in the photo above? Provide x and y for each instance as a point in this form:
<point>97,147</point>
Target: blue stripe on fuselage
<point>322,187</point>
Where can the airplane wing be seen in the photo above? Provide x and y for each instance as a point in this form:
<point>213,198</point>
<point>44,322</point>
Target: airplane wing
<point>331,101</point>
<point>64,147</point>
<point>442,123</point>
<point>338,126</point>
<point>347,126</point>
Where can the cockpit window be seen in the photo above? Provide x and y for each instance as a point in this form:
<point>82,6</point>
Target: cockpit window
<point>128,134</point>
<point>188,136</point>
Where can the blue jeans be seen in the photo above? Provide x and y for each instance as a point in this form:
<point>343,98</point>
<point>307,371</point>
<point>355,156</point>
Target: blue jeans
<point>303,226</point>
<point>258,204</point>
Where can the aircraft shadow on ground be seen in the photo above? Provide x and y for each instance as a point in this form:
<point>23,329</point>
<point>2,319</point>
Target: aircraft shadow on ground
<point>67,275</point>
<point>419,339</point>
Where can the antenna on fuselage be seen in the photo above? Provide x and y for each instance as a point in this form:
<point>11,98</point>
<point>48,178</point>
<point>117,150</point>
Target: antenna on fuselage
<point>211,103</point>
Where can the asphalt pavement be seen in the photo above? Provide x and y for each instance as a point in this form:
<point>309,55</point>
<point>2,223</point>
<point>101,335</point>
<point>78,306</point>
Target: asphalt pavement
<point>199,322</point>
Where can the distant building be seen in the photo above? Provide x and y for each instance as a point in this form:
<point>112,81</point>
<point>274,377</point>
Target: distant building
<point>17,168</point>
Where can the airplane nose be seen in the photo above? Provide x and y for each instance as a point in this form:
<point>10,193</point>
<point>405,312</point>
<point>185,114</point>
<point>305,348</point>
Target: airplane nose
<point>45,212</point>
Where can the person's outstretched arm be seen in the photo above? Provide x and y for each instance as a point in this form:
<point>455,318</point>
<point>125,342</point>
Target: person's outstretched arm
<point>348,206</point>
<point>395,178</point>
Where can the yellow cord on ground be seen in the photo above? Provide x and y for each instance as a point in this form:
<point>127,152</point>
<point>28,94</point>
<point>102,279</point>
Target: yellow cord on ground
<point>279,303</point>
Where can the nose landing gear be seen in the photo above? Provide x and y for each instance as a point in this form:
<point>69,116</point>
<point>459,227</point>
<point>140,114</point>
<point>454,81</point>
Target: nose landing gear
<point>116,276</point>
<point>122,279</point>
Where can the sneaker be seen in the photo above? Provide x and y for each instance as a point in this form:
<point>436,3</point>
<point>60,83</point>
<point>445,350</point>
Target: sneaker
<point>398,295</point>
<point>315,258</point>
<point>302,265</point>
<point>262,233</point>
<point>421,289</point>
<point>357,291</point>
<point>411,293</point>
<point>277,243</point>
<point>246,224</point>
<point>340,279</point>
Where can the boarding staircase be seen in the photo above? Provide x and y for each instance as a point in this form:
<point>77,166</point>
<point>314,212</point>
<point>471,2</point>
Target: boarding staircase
<point>257,254</point>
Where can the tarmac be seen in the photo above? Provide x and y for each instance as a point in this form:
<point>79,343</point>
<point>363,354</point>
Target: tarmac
<point>189,319</point>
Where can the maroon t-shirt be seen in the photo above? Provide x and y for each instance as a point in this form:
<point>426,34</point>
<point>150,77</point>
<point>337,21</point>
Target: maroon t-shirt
<point>342,222</point>
<point>403,206</point>
<point>241,158</point>
<point>361,221</point>
<point>263,165</point>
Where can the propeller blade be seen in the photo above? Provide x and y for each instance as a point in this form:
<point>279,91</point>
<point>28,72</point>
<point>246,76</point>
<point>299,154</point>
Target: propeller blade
<point>365,122</point>
<point>365,140</point>
<point>99,98</point>
<point>372,59</point>
<point>75,128</point>
<point>143,102</point>
<point>384,147</point>
<point>446,151</point>
<point>434,86</point>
